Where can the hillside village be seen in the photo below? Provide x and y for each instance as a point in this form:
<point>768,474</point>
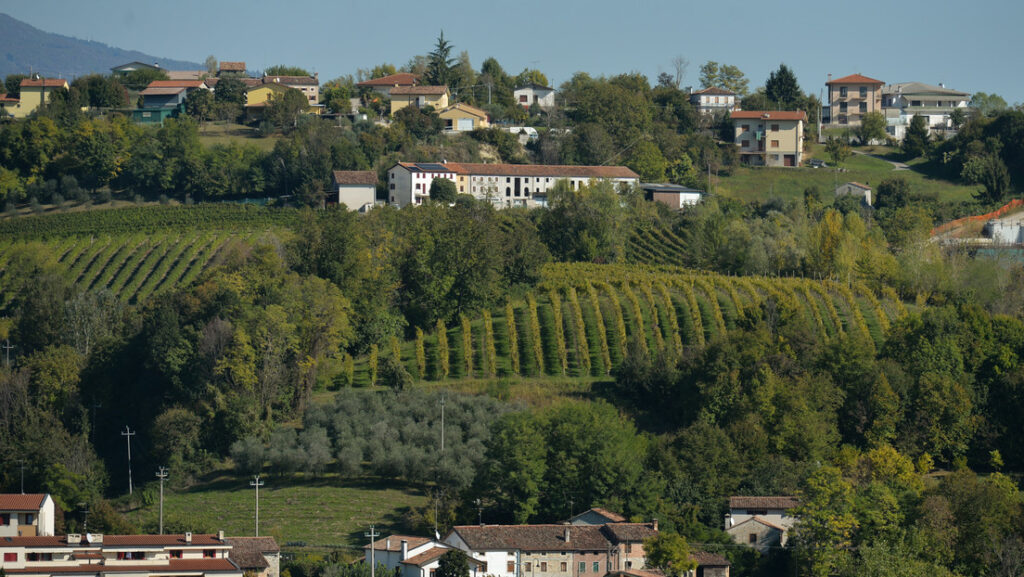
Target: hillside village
<point>439,321</point>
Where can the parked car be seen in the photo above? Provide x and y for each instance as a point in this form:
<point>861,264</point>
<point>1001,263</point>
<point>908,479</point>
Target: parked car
<point>816,163</point>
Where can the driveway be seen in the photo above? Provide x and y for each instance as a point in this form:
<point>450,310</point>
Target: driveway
<point>895,165</point>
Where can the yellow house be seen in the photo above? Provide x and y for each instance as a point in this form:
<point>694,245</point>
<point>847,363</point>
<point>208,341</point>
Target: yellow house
<point>258,97</point>
<point>463,117</point>
<point>419,96</point>
<point>34,93</point>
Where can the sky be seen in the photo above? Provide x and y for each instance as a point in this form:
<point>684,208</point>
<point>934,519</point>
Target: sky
<point>969,46</point>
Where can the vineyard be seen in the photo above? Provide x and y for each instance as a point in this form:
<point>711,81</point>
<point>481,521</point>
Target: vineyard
<point>655,246</point>
<point>583,318</point>
<point>219,216</point>
<point>133,267</point>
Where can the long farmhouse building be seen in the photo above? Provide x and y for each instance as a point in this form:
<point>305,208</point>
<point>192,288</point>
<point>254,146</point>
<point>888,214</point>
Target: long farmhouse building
<point>505,185</point>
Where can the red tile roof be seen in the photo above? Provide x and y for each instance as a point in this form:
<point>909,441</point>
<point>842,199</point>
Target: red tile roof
<point>551,170</point>
<point>355,177</point>
<point>614,517</point>
<point>394,542</point>
<point>15,502</point>
<point>5,98</point>
<point>621,532</point>
<point>247,552</point>
<point>533,537</point>
<point>117,541</point>
<point>220,565</point>
<point>419,90</point>
<point>162,90</point>
<point>44,82</point>
<point>175,84</point>
<point>716,91</point>
<point>232,66</point>
<point>705,559</point>
<point>855,79</point>
<point>472,110</point>
<point>769,114</point>
<point>400,79</point>
<point>775,502</point>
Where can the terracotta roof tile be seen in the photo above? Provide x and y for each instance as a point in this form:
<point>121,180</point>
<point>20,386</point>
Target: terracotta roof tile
<point>473,110</point>
<point>432,554</point>
<point>247,552</point>
<point>620,532</point>
<point>400,79</point>
<point>855,79</point>
<point>173,566</point>
<point>615,517</point>
<point>355,177</point>
<point>394,542</point>
<point>44,82</point>
<point>772,502</point>
<point>705,559</point>
<point>533,537</point>
<point>15,502</point>
<point>232,66</point>
<point>769,114</point>
<point>162,90</point>
<point>418,90</point>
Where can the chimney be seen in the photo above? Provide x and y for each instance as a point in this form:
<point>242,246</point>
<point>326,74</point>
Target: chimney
<point>830,77</point>
<point>188,537</point>
<point>74,538</point>
<point>220,535</point>
<point>405,550</point>
<point>567,535</point>
<point>654,522</point>
<point>387,544</point>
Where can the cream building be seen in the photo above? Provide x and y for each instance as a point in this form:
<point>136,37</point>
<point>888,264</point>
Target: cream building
<point>419,96</point>
<point>770,137</point>
<point>850,98</point>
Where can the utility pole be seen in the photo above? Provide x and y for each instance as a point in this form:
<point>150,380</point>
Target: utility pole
<point>127,434</point>
<point>373,563</point>
<point>7,346</point>
<point>162,474</point>
<point>442,423</point>
<point>85,512</point>
<point>22,463</point>
<point>257,484</point>
<point>479,511</point>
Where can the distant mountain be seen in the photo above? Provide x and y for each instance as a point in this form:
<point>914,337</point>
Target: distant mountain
<point>24,49</point>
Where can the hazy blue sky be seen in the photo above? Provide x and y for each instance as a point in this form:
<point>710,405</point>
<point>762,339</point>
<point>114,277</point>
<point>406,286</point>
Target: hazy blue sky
<point>970,46</point>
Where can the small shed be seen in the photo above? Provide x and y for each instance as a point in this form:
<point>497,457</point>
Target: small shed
<point>675,196</point>
<point>356,189</point>
<point>855,189</point>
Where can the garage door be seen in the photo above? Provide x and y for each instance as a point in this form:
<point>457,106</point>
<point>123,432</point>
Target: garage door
<point>789,160</point>
<point>465,124</point>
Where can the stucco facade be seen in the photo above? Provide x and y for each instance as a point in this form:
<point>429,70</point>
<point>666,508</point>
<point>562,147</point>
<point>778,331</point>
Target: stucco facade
<point>527,96</point>
<point>419,96</point>
<point>714,100</point>
<point>902,101</point>
<point>852,97</point>
<point>26,515</point>
<point>769,138</point>
<point>35,92</point>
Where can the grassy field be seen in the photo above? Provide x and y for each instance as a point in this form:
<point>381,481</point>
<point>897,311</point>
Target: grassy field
<point>325,511</point>
<point>750,184</point>
<point>212,133</point>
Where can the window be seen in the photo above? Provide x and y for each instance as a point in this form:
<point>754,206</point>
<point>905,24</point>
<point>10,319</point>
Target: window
<point>563,567</point>
<point>744,128</point>
<point>629,564</point>
<point>775,128</point>
<point>745,143</point>
<point>543,566</point>
<point>10,557</point>
<point>508,191</point>
<point>524,98</point>
<point>418,186</point>
<point>508,179</point>
<point>583,566</point>
<point>130,555</point>
<point>915,103</point>
<point>842,92</point>
<point>597,566</point>
<point>5,519</point>
<point>29,518</point>
<point>842,107</point>
<point>176,553</point>
<point>775,144</point>
<point>39,557</point>
<point>527,567</point>
<point>752,538</point>
<point>392,186</point>
<point>863,108</point>
<point>483,567</point>
<point>462,189</point>
<point>863,91</point>
<point>511,568</point>
<point>209,553</point>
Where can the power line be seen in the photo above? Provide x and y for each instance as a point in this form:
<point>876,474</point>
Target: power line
<point>128,434</point>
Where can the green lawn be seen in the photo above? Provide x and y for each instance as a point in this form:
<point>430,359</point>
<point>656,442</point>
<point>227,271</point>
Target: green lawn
<point>755,184</point>
<point>225,132</point>
<point>324,511</point>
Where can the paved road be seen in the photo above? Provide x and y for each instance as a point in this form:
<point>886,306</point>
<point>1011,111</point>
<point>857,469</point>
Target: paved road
<point>895,165</point>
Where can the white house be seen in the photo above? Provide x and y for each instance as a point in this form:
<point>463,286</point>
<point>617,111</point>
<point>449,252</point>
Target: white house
<point>93,554</point>
<point>414,556</point>
<point>505,185</point>
<point>527,96</point>
<point>356,189</point>
<point>902,101</point>
<point>674,196</point>
<point>855,189</point>
<point>760,522</point>
<point>714,100</point>
<point>26,515</point>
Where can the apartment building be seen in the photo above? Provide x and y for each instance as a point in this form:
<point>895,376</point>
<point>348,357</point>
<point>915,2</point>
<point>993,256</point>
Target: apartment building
<point>852,97</point>
<point>26,515</point>
<point>770,137</point>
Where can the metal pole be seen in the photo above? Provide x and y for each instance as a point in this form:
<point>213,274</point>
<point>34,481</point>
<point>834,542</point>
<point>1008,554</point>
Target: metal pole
<point>127,434</point>
<point>22,463</point>
<point>162,474</point>
<point>373,560</point>
<point>7,347</point>
<point>257,483</point>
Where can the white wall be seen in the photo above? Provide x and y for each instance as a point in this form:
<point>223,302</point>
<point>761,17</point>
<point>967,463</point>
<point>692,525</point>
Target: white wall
<point>355,196</point>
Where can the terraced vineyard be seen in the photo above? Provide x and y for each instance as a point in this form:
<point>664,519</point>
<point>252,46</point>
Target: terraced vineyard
<point>132,266</point>
<point>583,317</point>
